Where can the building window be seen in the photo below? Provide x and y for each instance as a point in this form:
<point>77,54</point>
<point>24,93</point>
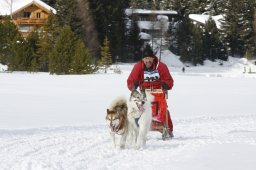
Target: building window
<point>38,15</point>
<point>26,14</point>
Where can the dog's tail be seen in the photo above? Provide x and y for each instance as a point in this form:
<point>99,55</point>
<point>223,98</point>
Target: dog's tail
<point>119,102</point>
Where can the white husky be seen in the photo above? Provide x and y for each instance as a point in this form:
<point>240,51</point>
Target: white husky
<point>139,116</point>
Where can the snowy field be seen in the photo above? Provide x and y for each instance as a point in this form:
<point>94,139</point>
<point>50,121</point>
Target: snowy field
<point>50,122</point>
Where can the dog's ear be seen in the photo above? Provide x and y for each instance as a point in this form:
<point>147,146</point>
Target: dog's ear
<point>142,90</point>
<point>130,97</point>
<point>107,110</point>
<point>133,91</point>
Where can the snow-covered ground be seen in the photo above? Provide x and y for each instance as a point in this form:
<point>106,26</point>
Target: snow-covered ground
<point>55,122</point>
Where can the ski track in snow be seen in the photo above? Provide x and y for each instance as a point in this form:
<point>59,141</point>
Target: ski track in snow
<point>89,147</point>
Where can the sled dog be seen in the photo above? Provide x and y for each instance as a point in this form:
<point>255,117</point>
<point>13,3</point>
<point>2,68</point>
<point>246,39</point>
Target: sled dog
<point>117,120</point>
<point>139,116</point>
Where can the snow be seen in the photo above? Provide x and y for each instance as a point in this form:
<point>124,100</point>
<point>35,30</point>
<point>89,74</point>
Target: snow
<point>202,18</point>
<point>3,68</point>
<point>145,36</point>
<point>162,17</point>
<point>58,122</point>
<point>170,59</point>
<point>129,12</point>
<point>149,25</point>
<point>5,6</point>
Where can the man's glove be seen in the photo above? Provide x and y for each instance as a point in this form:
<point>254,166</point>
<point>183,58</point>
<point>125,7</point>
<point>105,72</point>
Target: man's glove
<point>165,86</point>
<point>135,85</point>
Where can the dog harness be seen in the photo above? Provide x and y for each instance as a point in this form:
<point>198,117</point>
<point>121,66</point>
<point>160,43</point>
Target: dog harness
<point>137,121</point>
<point>142,109</point>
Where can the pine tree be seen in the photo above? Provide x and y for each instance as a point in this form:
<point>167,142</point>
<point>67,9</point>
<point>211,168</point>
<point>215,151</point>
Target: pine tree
<point>231,27</point>
<point>34,66</point>
<point>196,7</point>
<point>134,41</point>
<point>182,7</point>
<point>8,35</point>
<point>52,28</point>
<point>18,53</point>
<point>47,41</point>
<point>197,45</point>
<point>139,4</point>
<point>33,42</point>
<point>66,14</point>
<point>21,57</point>
<point>118,29</point>
<point>14,50</point>
<point>14,60</point>
<point>60,56</point>
<point>211,41</point>
<point>151,4</point>
<point>166,5</point>
<point>106,58</point>
<point>145,4</point>
<point>44,47</point>
<point>182,38</point>
<point>112,25</point>
<point>81,61</point>
<point>247,32</point>
<point>52,3</point>
<point>215,7</point>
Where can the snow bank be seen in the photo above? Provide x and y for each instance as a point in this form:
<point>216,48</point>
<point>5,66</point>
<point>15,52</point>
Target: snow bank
<point>170,59</point>
<point>3,67</point>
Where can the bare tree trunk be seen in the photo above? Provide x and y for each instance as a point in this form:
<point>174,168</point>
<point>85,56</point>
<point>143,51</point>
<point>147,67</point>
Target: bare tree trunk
<point>90,35</point>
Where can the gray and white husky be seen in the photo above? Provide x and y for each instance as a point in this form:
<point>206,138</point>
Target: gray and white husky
<point>139,116</point>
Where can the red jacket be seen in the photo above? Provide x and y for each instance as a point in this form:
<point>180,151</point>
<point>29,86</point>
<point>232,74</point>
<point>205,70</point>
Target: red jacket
<point>137,74</point>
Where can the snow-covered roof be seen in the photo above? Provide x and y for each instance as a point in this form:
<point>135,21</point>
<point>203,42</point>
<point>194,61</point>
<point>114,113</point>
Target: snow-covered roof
<point>129,12</point>
<point>5,6</point>
<point>150,25</point>
<point>203,18</point>
<point>145,36</point>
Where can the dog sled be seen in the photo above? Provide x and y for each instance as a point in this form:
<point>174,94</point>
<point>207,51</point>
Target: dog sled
<point>160,105</point>
<point>161,121</point>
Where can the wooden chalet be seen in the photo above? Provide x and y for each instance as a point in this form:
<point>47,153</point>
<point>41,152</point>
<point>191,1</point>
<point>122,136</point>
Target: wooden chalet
<point>29,15</point>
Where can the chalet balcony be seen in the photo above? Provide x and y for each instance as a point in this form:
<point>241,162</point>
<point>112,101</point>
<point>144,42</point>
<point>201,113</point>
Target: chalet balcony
<point>31,21</point>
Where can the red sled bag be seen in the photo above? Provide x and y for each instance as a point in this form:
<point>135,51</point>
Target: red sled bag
<point>159,108</point>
